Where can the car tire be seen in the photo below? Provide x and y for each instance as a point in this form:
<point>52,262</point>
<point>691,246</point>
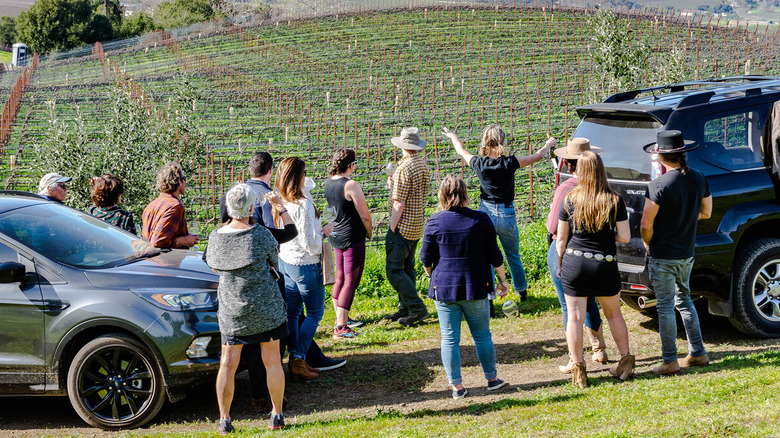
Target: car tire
<point>115,383</point>
<point>756,293</point>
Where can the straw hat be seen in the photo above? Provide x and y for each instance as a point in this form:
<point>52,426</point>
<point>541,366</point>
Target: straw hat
<point>409,140</point>
<point>575,147</point>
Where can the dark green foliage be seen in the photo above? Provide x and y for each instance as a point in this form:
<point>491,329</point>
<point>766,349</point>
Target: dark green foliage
<point>7,30</point>
<point>138,24</point>
<point>177,13</point>
<point>55,25</point>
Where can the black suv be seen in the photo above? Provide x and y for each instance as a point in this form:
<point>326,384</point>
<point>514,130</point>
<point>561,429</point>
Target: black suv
<point>736,122</point>
<point>93,312</point>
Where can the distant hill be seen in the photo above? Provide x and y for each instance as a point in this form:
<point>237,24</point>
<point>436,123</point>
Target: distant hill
<point>12,8</point>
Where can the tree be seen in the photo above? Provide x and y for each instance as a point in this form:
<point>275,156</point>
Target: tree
<point>54,24</point>
<point>178,13</point>
<point>139,23</point>
<point>7,30</point>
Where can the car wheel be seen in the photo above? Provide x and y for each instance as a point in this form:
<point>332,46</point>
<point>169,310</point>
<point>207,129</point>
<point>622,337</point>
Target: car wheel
<point>756,293</point>
<point>114,382</point>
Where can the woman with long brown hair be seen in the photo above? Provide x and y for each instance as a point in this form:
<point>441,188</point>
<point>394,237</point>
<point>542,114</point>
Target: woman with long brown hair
<point>592,218</point>
<point>300,261</point>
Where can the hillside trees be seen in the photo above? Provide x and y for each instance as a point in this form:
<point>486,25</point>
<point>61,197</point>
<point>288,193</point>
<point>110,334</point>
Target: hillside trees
<point>623,60</point>
<point>177,13</point>
<point>7,31</point>
<point>55,25</point>
<point>134,143</point>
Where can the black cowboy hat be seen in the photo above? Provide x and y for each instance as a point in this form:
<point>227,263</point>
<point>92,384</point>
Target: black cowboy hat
<point>670,142</point>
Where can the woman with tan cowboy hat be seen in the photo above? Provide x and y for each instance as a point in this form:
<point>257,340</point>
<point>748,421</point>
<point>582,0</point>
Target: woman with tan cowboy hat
<point>496,173</point>
<point>592,218</point>
<point>569,155</point>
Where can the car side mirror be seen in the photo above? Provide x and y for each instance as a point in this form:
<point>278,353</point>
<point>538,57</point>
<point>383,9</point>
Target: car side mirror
<point>12,272</point>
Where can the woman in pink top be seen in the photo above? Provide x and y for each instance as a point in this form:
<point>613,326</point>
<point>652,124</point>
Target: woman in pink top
<point>574,148</point>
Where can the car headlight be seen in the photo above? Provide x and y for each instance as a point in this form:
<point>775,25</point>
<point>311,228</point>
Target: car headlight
<point>180,299</point>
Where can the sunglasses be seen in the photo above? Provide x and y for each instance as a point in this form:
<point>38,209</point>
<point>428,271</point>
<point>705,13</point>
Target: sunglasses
<point>354,162</point>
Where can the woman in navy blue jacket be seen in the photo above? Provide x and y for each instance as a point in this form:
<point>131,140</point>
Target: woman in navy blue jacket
<point>459,247</point>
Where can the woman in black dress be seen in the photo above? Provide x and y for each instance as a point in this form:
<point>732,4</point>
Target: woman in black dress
<point>591,219</point>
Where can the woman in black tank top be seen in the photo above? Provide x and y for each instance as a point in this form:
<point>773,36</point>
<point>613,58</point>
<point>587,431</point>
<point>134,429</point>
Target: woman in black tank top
<point>351,227</point>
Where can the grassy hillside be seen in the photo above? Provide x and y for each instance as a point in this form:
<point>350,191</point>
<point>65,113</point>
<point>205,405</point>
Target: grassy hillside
<point>310,86</point>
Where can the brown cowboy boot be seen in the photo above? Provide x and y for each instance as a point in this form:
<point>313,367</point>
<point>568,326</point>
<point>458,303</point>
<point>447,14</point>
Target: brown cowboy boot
<point>579,377</point>
<point>598,345</point>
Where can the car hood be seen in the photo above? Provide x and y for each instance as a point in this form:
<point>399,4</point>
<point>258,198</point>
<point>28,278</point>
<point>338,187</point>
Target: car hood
<point>177,268</point>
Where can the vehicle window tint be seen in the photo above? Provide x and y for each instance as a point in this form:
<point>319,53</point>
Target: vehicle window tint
<point>734,141</point>
<point>72,237</point>
<point>8,254</point>
<point>622,139</point>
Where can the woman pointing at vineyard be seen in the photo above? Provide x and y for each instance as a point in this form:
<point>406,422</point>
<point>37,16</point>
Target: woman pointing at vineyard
<point>496,173</point>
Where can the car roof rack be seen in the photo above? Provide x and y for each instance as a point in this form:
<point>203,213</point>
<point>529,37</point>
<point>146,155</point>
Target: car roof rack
<point>725,83</point>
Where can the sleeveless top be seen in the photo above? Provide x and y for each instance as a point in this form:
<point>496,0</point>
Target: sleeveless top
<point>347,227</point>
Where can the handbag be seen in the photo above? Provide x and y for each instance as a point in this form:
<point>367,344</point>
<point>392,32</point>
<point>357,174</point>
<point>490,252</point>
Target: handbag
<point>328,264</point>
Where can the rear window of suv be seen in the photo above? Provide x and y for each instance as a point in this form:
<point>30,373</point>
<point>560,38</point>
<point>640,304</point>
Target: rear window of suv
<point>622,138</point>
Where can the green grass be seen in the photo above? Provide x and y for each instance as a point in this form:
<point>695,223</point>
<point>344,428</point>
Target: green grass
<point>5,57</point>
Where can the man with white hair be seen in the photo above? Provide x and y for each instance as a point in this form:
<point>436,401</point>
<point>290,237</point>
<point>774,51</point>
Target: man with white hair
<point>53,187</point>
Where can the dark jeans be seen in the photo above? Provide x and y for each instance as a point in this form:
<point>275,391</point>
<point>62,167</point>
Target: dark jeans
<point>400,272</point>
<point>254,359</point>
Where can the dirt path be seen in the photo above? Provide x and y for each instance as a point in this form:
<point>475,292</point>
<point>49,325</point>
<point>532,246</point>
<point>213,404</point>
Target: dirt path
<point>403,377</point>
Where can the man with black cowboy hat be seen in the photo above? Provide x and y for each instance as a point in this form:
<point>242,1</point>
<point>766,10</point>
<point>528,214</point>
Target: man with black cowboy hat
<point>674,203</point>
<point>410,185</point>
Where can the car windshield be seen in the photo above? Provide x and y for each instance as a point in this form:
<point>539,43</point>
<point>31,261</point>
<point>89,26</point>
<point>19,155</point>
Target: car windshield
<point>73,238</point>
<point>622,139</point>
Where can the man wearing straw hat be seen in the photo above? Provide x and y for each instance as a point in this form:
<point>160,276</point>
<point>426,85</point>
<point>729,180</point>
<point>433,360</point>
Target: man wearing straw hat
<point>674,202</point>
<point>410,185</point>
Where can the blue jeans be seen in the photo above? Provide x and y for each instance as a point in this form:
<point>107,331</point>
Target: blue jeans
<point>504,220</point>
<point>592,315</point>
<point>477,313</point>
<point>303,288</point>
<point>670,284</point>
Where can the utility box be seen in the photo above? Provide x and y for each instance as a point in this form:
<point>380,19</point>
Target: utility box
<point>19,55</point>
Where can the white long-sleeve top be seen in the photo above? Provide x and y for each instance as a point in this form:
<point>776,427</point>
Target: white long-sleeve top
<point>306,247</point>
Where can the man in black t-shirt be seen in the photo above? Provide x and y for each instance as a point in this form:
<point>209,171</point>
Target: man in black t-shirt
<point>674,203</point>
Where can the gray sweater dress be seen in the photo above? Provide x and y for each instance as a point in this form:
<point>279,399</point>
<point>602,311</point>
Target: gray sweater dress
<point>249,299</point>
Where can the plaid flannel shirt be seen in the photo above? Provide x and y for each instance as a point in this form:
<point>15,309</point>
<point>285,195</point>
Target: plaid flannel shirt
<point>163,221</point>
<point>410,185</point>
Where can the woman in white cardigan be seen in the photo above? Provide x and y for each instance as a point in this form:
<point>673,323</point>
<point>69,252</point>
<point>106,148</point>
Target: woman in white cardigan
<point>300,261</point>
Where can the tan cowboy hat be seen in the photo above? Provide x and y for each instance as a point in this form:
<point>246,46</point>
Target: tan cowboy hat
<point>575,147</point>
<point>409,140</point>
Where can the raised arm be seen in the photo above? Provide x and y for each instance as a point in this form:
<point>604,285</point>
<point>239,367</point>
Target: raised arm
<point>458,145</point>
<point>526,160</point>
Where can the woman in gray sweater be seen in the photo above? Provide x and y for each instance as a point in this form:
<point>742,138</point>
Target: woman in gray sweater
<point>251,308</point>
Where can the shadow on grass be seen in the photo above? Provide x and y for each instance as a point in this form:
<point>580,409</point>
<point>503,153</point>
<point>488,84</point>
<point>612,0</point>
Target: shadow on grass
<point>474,409</point>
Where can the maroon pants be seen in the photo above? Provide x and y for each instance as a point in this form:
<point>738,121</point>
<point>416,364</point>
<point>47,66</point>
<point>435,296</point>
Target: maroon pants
<point>349,269</point>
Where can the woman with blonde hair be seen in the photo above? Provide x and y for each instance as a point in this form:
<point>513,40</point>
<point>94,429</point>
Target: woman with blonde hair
<point>496,173</point>
<point>592,218</point>
<point>459,247</point>
<point>300,262</point>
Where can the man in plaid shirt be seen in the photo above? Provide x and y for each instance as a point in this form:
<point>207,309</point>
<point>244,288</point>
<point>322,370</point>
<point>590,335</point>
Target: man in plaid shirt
<point>164,225</point>
<point>410,184</point>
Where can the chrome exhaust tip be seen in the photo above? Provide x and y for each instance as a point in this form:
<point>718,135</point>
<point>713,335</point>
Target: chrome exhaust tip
<point>646,302</point>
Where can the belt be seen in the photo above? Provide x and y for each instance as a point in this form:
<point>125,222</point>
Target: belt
<point>590,255</point>
<point>500,204</point>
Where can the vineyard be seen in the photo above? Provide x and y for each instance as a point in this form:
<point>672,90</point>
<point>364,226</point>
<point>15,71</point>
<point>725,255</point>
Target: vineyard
<point>305,84</point>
